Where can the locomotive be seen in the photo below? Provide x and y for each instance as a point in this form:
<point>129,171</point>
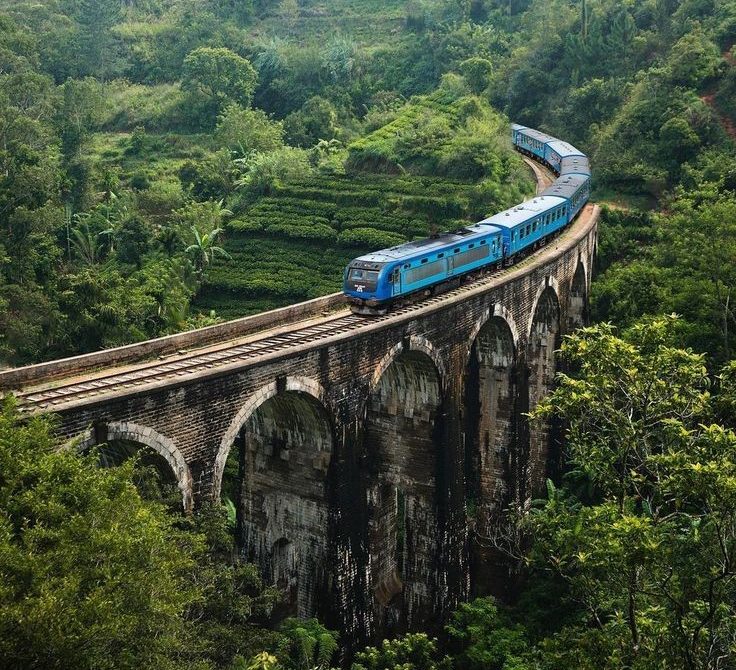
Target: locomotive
<point>376,282</point>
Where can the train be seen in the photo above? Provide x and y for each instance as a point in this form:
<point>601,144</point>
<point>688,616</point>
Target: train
<point>379,281</point>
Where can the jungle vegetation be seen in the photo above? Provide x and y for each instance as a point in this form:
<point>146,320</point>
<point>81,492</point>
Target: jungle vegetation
<point>165,164</point>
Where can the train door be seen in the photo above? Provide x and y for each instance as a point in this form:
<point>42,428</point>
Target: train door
<point>450,266</point>
<point>396,282</point>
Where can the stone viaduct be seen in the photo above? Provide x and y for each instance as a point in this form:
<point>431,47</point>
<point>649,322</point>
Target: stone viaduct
<point>367,456</point>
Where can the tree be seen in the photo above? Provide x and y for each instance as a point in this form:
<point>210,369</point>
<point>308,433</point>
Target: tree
<point>204,249</point>
<point>262,171</point>
<point>316,120</point>
<point>647,553</point>
<point>339,59</point>
<point>477,73</point>
<point>289,13</point>
<point>246,130</point>
<point>484,637</point>
<point>215,77</point>
<point>98,46</point>
<point>92,576</point>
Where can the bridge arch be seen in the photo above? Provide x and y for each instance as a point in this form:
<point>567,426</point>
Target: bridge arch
<point>412,343</point>
<point>543,342</point>
<point>127,431</point>
<point>491,412</point>
<point>277,481</point>
<point>576,312</point>
<point>401,457</point>
<point>299,384</point>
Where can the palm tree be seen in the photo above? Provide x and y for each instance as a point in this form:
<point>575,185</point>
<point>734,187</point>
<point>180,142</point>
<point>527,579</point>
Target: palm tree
<point>86,245</point>
<point>204,249</point>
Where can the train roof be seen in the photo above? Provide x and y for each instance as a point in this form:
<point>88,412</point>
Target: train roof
<point>566,186</point>
<point>523,212</point>
<point>429,244</point>
<point>538,135</point>
<point>564,149</point>
<point>575,165</point>
<point>517,126</point>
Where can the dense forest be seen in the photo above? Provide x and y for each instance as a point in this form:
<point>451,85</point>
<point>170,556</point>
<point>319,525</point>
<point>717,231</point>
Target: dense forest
<point>166,164</point>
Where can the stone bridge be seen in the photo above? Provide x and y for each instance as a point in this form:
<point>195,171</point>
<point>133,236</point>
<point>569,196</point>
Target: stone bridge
<point>367,456</point>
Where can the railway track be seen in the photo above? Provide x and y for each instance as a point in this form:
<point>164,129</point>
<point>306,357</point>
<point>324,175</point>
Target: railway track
<point>54,395</point>
<point>543,176</point>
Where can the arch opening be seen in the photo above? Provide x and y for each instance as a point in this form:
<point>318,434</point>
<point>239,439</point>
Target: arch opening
<point>275,477</point>
<point>160,474</point>
<point>490,425</point>
<point>544,340</point>
<point>577,308</point>
<point>490,429</point>
<point>402,457</point>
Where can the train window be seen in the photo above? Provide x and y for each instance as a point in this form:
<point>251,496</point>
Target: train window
<point>365,275</point>
<point>457,250</point>
<point>440,255</point>
<point>424,260</point>
<point>406,266</point>
<point>482,241</point>
<point>470,246</point>
<point>522,234</point>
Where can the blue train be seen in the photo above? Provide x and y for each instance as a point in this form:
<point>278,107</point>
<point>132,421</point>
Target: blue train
<point>377,281</point>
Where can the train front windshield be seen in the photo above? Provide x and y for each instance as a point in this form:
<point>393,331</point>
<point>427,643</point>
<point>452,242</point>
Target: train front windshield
<point>356,274</point>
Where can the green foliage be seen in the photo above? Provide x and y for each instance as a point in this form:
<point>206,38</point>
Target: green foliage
<point>645,557</point>
<point>306,645</point>
<point>246,130</point>
<point>485,638</point>
<point>316,120</point>
<point>92,576</point>
<point>262,172</point>
<point>416,651</point>
<point>215,77</point>
<point>477,72</point>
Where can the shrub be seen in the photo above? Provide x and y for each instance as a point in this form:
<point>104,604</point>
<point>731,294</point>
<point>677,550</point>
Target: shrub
<point>368,237</point>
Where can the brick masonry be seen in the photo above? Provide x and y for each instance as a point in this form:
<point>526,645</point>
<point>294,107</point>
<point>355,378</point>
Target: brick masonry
<point>367,464</point>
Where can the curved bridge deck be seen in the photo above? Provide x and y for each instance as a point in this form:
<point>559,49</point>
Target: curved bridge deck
<point>54,392</point>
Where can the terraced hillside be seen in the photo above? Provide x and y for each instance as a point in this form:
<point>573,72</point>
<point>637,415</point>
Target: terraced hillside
<point>367,22</point>
<point>294,243</point>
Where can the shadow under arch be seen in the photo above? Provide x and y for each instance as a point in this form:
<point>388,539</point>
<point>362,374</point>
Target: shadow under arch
<point>401,469</point>
<point>490,426</point>
<point>277,479</point>
<point>118,436</point>
<point>576,313</point>
<point>543,342</point>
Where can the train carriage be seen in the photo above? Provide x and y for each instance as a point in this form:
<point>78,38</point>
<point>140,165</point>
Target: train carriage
<point>526,224</point>
<point>575,165</point>
<point>374,280</point>
<point>533,142</point>
<point>557,150</point>
<point>574,188</point>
